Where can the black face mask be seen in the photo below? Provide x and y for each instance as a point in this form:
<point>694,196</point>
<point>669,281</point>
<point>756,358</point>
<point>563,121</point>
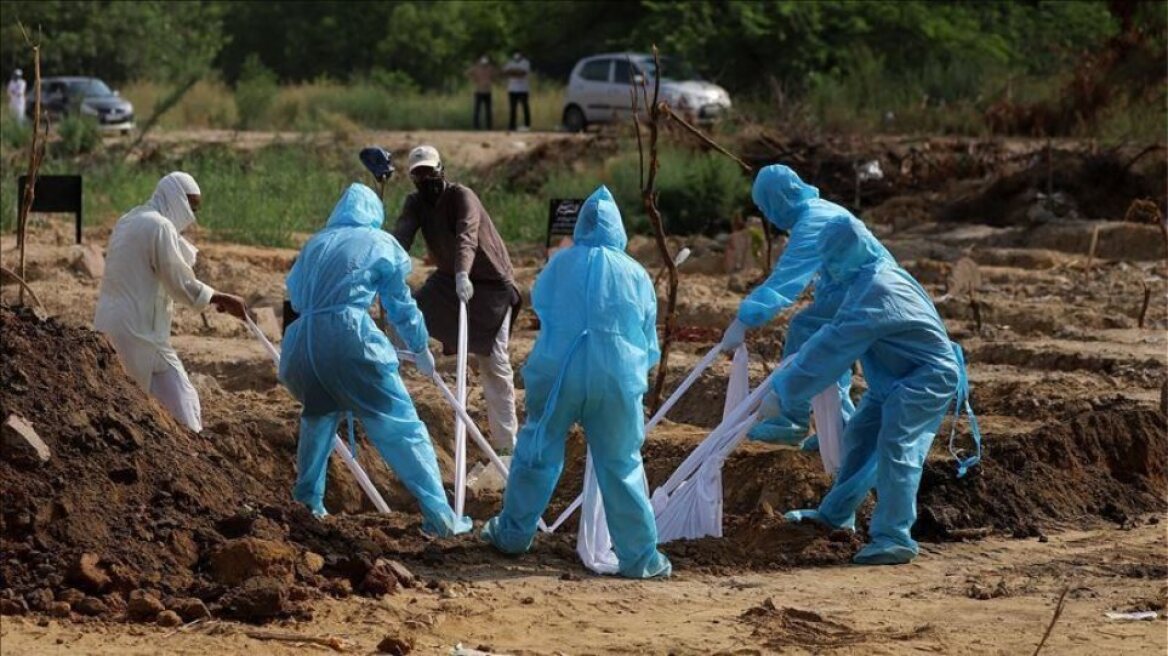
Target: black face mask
<point>431,189</point>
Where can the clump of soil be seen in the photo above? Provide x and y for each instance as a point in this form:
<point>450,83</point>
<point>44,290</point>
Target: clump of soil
<point>778,627</point>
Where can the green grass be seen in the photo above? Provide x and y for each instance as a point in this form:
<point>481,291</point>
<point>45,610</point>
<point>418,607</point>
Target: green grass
<point>327,105</point>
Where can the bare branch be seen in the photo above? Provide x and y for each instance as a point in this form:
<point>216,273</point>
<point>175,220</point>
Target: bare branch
<point>649,198</point>
<point>705,139</point>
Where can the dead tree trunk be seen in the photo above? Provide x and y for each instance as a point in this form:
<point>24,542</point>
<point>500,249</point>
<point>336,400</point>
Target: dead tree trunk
<point>649,198</point>
<point>36,154</point>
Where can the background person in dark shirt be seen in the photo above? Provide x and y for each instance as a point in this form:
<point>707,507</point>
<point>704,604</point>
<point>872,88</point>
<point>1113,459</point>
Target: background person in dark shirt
<point>472,266</point>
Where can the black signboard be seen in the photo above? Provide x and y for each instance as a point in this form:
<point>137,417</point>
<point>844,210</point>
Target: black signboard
<point>562,215</point>
<point>54,193</point>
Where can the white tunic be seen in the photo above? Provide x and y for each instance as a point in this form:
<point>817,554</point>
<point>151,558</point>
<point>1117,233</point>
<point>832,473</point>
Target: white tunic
<point>148,266</point>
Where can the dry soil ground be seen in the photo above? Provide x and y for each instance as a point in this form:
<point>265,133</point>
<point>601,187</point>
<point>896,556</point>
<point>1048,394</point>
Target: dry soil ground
<point>1067,387</point>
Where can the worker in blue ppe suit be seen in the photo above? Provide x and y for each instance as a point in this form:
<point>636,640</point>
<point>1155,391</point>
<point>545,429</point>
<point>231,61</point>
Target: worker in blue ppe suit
<point>336,360</point>
<point>795,206</point>
<point>888,322</point>
<point>598,339</point>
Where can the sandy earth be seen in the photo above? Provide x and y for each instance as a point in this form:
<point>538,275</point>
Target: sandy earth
<point>1056,340</point>
<point>926,607</point>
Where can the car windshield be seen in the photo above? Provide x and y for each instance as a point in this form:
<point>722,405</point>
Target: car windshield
<point>673,68</point>
<point>88,87</point>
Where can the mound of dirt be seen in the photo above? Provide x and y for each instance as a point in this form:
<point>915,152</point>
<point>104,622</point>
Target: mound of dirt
<point>1094,186</point>
<point>123,504</point>
<point>1111,465</point>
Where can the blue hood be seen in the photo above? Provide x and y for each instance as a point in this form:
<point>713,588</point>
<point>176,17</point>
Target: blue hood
<point>599,223</point>
<point>845,247</point>
<point>780,194</point>
<point>359,207</point>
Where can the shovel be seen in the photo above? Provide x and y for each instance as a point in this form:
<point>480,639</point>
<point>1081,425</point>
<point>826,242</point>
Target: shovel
<point>459,425</point>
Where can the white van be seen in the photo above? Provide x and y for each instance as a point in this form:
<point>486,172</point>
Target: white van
<point>599,90</point>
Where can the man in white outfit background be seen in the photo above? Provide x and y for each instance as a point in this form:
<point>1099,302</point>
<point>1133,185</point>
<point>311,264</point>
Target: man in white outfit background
<point>16,90</point>
<point>148,267</point>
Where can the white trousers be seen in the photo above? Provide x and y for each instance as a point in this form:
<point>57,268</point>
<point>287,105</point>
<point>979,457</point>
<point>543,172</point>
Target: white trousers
<point>175,392</point>
<point>158,370</point>
<point>498,380</point>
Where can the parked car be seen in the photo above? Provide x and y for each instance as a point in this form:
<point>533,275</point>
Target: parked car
<point>599,90</point>
<point>88,96</point>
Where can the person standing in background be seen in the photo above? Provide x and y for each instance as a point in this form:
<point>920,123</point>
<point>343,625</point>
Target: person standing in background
<point>16,88</point>
<point>518,70</point>
<point>482,76</point>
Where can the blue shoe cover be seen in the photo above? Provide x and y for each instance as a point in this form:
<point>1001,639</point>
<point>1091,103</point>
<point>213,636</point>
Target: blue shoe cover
<point>812,515</point>
<point>779,431</point>
<point>874,554</point>
<point>461,525</point>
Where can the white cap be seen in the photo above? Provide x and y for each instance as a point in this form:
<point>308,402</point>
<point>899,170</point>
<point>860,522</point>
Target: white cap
<point>19,72</point>
<point>424,156</point>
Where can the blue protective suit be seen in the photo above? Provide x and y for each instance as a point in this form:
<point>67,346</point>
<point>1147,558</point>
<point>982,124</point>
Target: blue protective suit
<point>598,339</point>
<point>336,360</point>
<point>887,321</point>
<point>795,206</point>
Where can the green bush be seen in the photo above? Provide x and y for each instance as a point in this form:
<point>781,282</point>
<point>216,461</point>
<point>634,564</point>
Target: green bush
<point>254,93</point>
<point>15,135</point>
<point>78,135</point>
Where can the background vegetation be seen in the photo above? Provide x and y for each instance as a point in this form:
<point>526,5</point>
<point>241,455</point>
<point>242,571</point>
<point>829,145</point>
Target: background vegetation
<point>1079,68</point>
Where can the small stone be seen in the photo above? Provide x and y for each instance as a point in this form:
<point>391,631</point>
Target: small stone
<point>71,596</point>
<point>39,599</point>
<point>91,606</point>
<point>168,618</point>
<point>87,259</point>
<point>21,442</point>
<point>258,599</point>
<point>143,606</point>
<point>396,645</point>
<point>404,575</point>
<point>313,562</point>
<point>527,601</point>
<point>59,609</point>
<point>86,574</point>
<point>380,580</point>
<point>238,560</point>
<point>13,607</point>
<point>191,609</point>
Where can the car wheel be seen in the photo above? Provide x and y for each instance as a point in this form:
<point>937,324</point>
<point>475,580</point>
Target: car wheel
<point>574,120</point>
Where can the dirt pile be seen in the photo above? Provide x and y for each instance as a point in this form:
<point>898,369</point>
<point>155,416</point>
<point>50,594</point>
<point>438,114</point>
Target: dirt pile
<point>1111,465</point>
<point>132,515</point>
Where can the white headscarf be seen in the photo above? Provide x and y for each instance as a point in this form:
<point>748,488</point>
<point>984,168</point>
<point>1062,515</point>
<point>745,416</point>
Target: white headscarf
<point>170,200</point>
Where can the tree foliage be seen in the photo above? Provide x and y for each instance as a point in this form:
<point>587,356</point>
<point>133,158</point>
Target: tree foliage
<point>746,45</point>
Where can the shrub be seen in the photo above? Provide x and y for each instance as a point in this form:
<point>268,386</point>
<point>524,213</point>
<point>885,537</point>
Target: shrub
<point>254,93</point>
<point>16,135</point>
<point>78,135</point>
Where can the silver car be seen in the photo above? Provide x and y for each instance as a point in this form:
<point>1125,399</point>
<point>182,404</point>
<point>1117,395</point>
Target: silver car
<point>88,96</point>
<point>599,90</point>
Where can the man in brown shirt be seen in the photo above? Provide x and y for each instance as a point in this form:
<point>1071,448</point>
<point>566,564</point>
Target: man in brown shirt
<point>472,266</point>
